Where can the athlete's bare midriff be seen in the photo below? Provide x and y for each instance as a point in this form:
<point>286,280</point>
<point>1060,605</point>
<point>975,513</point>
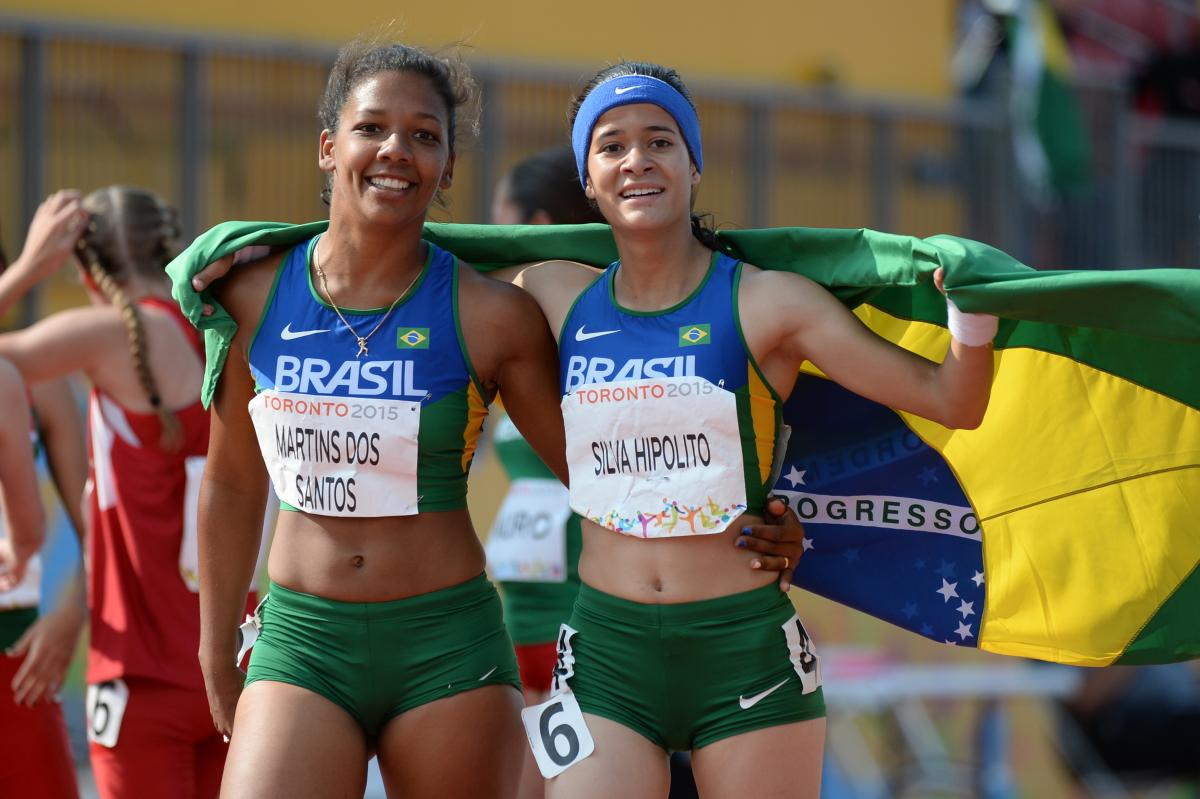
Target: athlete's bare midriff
<point>669,570</point>
<point>374,560</point>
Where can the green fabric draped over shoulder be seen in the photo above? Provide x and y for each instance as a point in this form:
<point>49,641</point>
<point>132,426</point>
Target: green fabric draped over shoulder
<point>854,264</point>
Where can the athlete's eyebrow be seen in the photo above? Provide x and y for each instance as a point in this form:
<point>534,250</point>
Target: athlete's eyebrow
<point>381,111</point>
<point>605,132</point>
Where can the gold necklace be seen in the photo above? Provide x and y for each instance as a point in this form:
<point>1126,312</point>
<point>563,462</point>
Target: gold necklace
<point>362,340</point>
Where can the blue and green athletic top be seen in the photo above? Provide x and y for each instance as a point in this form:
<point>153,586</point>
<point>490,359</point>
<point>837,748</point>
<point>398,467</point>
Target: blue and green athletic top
<point>671,426</point>
<point>387,433</point>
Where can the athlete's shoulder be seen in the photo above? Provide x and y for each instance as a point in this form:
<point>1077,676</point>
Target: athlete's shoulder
<point>556,285</point>
<point>778,284</point>
<point>542,272</point>
<point>475,287</point>
<point>244,291</point>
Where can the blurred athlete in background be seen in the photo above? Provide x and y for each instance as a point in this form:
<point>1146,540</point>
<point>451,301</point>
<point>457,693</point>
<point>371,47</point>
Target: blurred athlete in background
<point>38,649</point>
<point>149,729</point>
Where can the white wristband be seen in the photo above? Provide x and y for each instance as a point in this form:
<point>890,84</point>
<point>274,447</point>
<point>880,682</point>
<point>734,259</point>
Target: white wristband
<point>972,329</point>
<point>250,253</point>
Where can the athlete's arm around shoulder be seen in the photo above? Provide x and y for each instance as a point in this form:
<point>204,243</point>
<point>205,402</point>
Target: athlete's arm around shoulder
<point>232,495</point>
<point>788,319</point>
<point>514,354</point>
<point>555,285</point>
<point>235,471</point>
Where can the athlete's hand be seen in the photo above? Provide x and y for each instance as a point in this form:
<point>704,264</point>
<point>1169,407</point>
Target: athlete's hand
<point>48,646</point>
<point>220,267</point>
<point>12,565</point>
<point>224,685</point>
<point>57,225</point>
<point>779,540</point>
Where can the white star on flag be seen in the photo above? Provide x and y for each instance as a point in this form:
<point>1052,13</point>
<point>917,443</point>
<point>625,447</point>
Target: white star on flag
<point>967,609</point>
<point>964,631</point>
<point>978,578</point>
<point>947,590</point>
<point>807,544</point>
<point>795,476</point>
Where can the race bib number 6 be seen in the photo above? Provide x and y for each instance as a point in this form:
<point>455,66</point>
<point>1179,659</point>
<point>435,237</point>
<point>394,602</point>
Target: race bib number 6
<point>557,734</point>
<point>105,705</point>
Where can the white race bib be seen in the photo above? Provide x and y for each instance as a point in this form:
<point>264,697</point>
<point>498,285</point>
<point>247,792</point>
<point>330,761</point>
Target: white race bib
<point>340,456</point>
<point>189,547</point>
<point>28,592</point>
<point>528,540</point>
<point>557,734</point>
<point>248,632</point>
<point>105,704</point>
<point>803,654</point>
<point>656,457</point>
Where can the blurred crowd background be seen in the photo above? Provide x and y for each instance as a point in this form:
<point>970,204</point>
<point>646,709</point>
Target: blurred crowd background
<point>1066,133</point>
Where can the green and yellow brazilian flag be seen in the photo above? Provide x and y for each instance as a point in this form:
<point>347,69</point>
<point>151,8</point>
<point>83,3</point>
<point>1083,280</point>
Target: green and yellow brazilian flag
<point>1065,528</point>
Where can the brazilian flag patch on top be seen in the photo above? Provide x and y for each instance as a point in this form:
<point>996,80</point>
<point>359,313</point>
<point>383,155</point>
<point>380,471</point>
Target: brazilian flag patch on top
<point>413,338</point>
<point>691,335</point>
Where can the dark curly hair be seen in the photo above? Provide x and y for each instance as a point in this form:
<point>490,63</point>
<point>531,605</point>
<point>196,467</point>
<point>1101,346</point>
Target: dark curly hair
<point>363,58</point>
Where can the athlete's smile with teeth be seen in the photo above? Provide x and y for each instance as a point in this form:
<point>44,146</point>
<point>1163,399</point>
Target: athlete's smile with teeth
<point>640,191</point>
<point>389,183</point>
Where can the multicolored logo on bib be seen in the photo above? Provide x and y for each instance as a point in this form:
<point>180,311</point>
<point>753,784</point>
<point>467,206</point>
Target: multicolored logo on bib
<point>413,338</point>
<point>692,335</point>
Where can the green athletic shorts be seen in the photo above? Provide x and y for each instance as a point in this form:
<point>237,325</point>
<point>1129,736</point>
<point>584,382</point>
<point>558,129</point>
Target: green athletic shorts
<point>15,621</point>
<point>379,659</point>
<point>689,674</point>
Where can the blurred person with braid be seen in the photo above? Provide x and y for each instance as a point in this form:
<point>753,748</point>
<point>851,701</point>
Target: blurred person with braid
<point>38,648</point>
<point>148,723</point>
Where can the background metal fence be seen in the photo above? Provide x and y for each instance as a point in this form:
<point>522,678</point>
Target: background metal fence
<point>227,129</point>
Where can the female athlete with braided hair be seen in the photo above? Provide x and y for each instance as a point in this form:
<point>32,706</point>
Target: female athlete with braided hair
<point>149,726</point>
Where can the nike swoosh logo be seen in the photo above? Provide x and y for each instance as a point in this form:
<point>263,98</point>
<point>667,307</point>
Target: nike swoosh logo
<point>287,334</point>
<point>748,702</point>
<point>580,335</point>
<point>629,88</point>
<point>489,674</point>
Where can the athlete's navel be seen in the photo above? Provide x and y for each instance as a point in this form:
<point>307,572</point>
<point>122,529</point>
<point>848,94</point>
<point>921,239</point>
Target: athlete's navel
<point>656,584</point>
<point>357,561</point>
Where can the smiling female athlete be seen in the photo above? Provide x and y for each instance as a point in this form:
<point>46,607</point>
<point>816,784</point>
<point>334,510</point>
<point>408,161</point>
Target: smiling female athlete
<point>674,365</point>
<point>359,383</point>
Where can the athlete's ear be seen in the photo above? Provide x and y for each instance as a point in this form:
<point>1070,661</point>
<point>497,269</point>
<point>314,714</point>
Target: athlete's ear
<point>587,187</point>
<point>447,173</point>
<point>695,174</point>
<point>325,151</point>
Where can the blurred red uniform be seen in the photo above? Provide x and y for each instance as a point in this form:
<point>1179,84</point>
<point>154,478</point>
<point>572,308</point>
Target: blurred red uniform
<point>150,731</point>
<point>36,758</point>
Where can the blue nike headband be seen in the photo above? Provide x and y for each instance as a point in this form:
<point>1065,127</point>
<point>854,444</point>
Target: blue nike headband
<point>628,90</point>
